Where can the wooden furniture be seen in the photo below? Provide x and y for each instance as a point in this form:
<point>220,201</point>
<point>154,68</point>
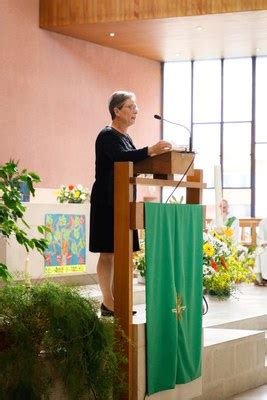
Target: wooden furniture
<point>166,164</point>
<point>252,224</point>
<point>244,223</point>
<point>127,216</point>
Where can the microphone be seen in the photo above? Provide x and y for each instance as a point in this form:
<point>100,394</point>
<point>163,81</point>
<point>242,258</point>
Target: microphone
<point>156,116</point>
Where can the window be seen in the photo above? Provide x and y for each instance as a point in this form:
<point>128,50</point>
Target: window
<point>261,99</point>
<point>207,148</point>
<point>222,104</point>
<point>237,93</point>
<point>236,155</point>
<point>261,179</point>
<point>207,91</point>
<point>177,101</point>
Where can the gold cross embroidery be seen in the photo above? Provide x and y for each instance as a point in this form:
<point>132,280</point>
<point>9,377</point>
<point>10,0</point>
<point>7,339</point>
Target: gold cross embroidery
<point>179,309</point>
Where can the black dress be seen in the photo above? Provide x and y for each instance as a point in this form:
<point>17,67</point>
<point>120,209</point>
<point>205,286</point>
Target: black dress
<point>110,146</point>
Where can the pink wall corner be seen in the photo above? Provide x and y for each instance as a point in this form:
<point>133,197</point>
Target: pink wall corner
<point>54,91</point>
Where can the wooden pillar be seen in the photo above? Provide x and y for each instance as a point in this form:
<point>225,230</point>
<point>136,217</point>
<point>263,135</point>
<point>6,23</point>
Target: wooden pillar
<point>123,255</point>
<point>194,195</point>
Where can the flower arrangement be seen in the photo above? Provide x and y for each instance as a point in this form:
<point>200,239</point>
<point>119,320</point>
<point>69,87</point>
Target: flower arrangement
<point>139,259</point>
<point>73,194</point>
<point>225,263</point>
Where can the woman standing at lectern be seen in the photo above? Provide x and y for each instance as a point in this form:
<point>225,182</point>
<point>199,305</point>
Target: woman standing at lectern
<point>113,144</point>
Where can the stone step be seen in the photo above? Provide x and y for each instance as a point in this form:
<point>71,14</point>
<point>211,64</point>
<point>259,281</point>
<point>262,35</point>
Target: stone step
<point>233,361</point>
<point>254,323</point>
<point>94,292</point>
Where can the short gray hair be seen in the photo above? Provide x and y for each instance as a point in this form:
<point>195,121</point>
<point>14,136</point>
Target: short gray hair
<point>117,99</point>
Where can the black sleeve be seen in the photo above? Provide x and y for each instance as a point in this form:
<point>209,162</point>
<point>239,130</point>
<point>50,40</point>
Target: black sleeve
<point>116,150</point>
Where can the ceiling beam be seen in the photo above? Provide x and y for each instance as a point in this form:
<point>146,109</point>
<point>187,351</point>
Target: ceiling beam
<point>68,12</point>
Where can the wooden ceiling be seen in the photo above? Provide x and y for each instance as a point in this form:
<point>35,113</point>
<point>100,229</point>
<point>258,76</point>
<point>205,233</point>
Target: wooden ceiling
<point>163,30</point>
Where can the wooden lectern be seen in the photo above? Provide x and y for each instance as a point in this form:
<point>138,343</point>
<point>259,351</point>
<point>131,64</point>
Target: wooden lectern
<point>129,215</point>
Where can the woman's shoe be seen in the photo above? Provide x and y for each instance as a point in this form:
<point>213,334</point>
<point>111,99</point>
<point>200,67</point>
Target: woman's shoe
<point>106,312</point>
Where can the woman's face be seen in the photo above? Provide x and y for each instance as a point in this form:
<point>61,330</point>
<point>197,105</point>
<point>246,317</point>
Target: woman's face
<point>127,113</point>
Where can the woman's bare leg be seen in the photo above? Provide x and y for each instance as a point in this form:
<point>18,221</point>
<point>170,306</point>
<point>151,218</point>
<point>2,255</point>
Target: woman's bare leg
<point>105,272</point>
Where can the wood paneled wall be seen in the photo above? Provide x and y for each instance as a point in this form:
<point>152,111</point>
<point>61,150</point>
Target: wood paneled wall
<point>65,12</point>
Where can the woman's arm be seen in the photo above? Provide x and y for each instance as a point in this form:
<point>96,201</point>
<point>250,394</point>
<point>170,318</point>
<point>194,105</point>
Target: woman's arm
<point>117,150</point>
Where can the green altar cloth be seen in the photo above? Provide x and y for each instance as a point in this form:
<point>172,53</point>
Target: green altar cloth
<point>173,294</point>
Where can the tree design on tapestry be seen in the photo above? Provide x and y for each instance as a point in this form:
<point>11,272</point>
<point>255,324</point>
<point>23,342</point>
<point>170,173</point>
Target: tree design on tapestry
<point>66,250</point>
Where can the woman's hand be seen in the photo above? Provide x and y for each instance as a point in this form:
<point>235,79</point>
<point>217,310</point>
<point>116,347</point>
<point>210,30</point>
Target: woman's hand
<point>161,147</point>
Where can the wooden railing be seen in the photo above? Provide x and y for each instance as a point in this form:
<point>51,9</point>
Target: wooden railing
<point>248,230</point>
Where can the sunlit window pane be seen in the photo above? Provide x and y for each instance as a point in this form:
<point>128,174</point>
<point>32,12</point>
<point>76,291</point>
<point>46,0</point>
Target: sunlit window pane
<point>206,143</point>
<point>209,201</point>
<point>261,179</point>
<point>261,99</point>
<point>237,89</point>
<point>207,91</point>
<point>236,155</point>
<point>177,101</point>
<point>177,92</point>
<point>239,201</point>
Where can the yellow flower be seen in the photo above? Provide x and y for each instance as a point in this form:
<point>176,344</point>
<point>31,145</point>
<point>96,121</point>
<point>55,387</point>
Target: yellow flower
<point>208,249</point>
<point>228,232</point>
<point>77,194</point>
<point>219,237</point>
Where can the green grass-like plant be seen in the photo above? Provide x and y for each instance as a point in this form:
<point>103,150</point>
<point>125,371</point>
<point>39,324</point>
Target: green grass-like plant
<point>50,332</point>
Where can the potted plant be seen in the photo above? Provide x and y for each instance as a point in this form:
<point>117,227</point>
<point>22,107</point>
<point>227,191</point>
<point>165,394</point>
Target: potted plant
<point>52,336</point>
<point>12,209</point>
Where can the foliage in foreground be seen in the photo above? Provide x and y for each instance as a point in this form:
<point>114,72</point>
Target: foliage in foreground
<point>50,332</point>
<point>12,210</point>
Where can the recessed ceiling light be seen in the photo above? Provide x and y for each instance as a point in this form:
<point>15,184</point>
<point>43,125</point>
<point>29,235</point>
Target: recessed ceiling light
<point>177,54</point>
<point>258,49</point>
<point>199,28</point>
<point>112,34</point>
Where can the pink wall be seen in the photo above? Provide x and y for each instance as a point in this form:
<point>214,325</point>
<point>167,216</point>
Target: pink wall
<point>53,96</point>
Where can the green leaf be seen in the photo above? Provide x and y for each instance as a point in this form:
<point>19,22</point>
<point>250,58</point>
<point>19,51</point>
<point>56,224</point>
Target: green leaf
<point>230,221</point>
<point>4,274</point>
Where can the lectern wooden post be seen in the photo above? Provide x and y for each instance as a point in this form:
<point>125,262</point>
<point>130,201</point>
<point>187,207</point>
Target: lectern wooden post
<point>128,216</point>
<point>123,255</point>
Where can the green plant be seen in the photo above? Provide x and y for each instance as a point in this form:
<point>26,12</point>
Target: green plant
<point>51,333</point>
<point>12,209</point>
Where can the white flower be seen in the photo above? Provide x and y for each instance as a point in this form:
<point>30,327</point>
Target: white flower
<point>77,194</point>
<point>208,270</point>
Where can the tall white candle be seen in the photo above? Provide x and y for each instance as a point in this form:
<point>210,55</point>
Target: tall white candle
<point>218,194</point>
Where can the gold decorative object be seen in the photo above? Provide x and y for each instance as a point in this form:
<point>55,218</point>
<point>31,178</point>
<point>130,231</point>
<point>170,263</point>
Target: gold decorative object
<point>179,309</point>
